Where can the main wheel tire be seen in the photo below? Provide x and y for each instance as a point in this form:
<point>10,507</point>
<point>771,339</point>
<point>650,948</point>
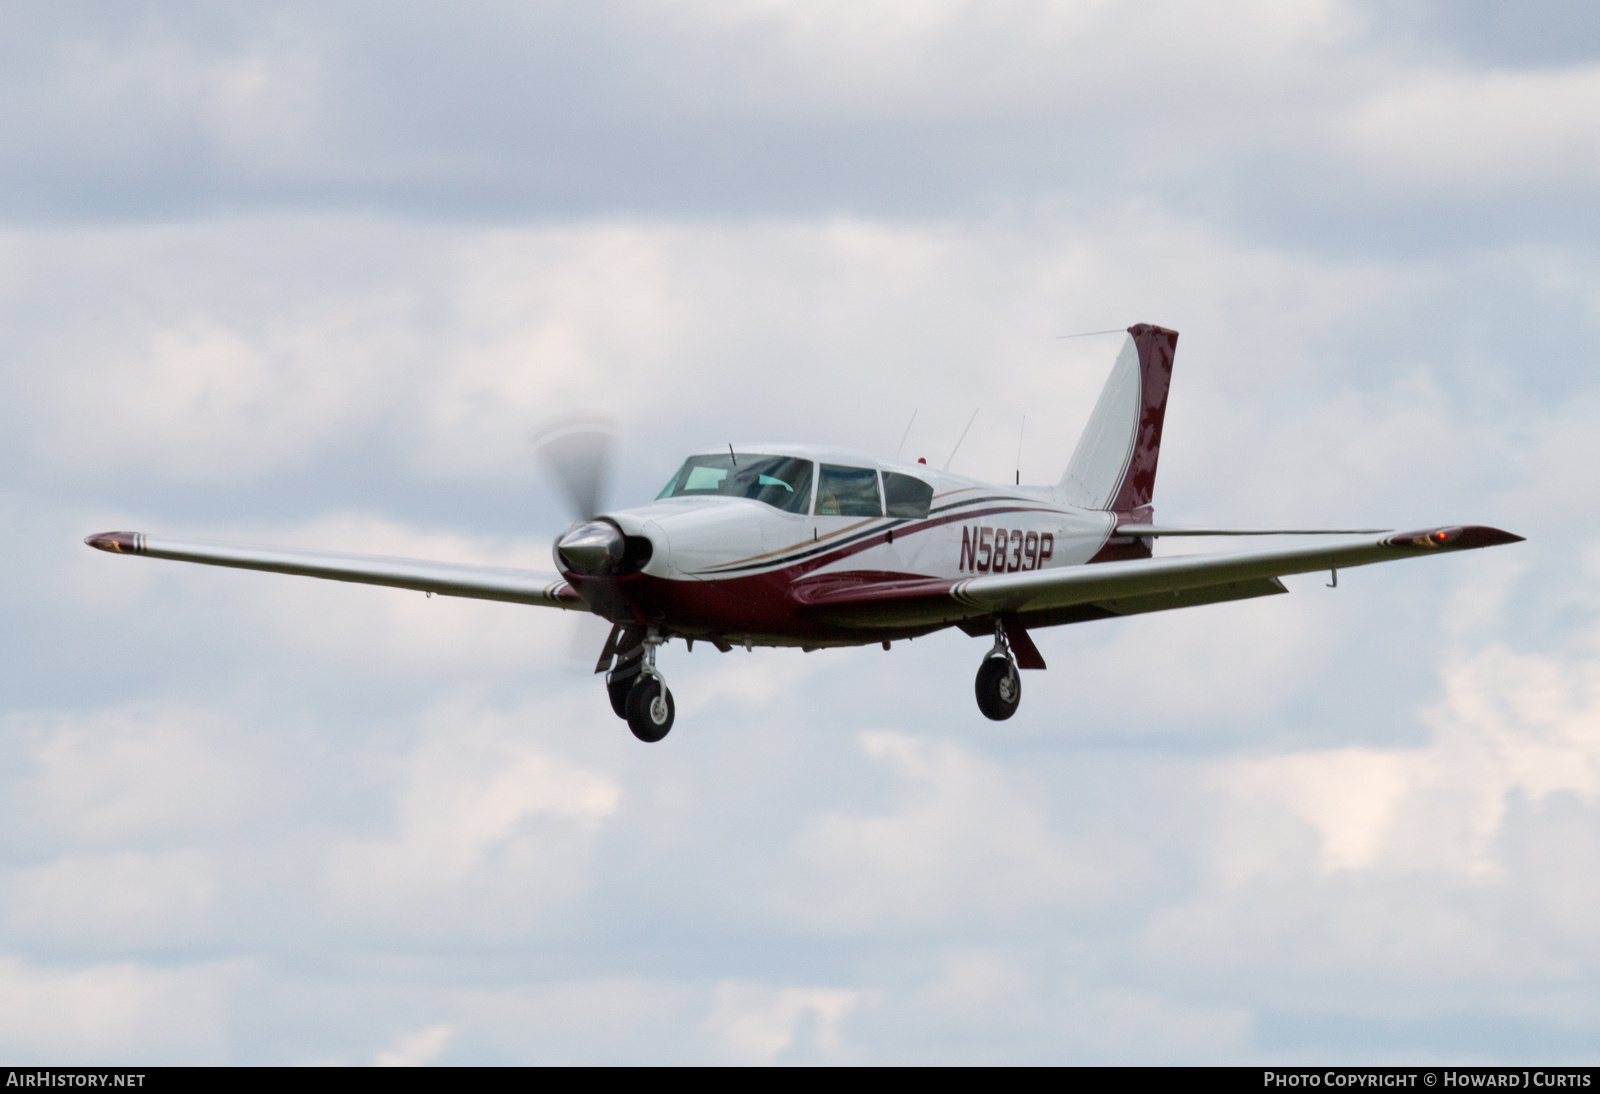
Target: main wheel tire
<point>999,688</point>
<point>618,693</point>
<point>650,710</point>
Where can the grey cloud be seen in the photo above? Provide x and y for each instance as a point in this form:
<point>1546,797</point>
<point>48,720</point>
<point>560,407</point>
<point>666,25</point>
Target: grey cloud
<point>486,112</point>
<point>1543,33</point>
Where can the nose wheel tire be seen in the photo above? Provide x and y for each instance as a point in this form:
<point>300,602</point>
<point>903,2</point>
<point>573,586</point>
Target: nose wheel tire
<point>999,688</point>
<point>650,710</point>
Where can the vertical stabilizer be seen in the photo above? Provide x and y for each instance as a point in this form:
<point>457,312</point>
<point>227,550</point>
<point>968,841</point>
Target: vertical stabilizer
<point>1114,465</point>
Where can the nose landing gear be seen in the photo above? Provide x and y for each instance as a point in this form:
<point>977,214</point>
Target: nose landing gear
<point>999,685</point>
<point>638,693</point>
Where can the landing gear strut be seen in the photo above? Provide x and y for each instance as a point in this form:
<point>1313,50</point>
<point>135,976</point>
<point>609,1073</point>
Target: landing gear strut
<point>638,692</point>
<point>999,685</point>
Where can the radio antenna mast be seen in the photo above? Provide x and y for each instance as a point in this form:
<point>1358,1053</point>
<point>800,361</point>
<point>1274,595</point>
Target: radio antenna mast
<point>961,438</point>
<point>907,433</point>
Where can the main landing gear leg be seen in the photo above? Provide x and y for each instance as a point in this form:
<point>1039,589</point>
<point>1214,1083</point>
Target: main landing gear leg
<point>999,685</point>
<point>649,707</point>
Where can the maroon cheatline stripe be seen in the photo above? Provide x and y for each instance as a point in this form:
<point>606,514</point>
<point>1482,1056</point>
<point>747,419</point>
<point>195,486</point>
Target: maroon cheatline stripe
<point>827,554</point>
<point>778,558</point>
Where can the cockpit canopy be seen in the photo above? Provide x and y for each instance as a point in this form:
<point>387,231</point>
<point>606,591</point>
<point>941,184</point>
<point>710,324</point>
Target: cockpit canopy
<point>780,481</point>
<point>785,482</point>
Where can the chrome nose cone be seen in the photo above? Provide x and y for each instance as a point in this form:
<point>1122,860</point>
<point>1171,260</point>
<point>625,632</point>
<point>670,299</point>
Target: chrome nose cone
<point>592,547</point>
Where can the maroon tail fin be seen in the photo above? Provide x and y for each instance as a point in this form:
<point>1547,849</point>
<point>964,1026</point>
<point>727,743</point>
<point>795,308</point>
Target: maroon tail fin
<point>1114,465</point>
<point>1156,346</point>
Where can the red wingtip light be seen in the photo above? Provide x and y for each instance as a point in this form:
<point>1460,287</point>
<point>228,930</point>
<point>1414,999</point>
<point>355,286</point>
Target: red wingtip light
<point>1460,537</point>
<point>122,543</point>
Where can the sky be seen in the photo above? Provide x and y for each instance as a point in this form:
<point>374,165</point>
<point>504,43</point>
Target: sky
<point>308,274</point>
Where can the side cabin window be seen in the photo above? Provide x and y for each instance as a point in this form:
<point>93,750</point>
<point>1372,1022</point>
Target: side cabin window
<point>780,481</point>
<point>906,495</point>
<point>848,492</point>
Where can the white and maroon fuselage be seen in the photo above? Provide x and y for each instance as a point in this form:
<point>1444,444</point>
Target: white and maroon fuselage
<point>741,571</point>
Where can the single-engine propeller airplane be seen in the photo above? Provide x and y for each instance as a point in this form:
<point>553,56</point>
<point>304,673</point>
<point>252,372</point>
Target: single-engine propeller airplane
<point>800,545</point>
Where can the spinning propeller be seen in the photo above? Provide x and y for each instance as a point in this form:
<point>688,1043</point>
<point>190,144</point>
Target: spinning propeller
<point>575,450</point>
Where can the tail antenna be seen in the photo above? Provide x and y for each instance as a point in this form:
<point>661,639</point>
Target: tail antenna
<point>1090,333</point>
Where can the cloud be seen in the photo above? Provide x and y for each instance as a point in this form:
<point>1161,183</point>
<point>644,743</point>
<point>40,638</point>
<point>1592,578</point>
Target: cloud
<point>309,277</point>
<point>114,1013</point>
<point>1456,861</point>
<point>115,901</point>
<point>416,1049</point>
<point>489,831</point>
<point>757,1024</point>
<point>1480,132</point>
<point>394,353</point>
<point>965,843</point>
<point>1270,112</point>
<point>139,778</point>
<point>1509,725</point>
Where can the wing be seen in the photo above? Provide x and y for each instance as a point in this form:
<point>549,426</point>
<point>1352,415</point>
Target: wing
<point>1045,598</point>
<point>1172,530</point>
<point>446,578</point>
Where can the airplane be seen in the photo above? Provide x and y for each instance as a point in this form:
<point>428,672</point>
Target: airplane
<point>804,545</point>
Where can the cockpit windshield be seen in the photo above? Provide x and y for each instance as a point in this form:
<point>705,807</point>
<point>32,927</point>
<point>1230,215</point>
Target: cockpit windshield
<point>780,481</point>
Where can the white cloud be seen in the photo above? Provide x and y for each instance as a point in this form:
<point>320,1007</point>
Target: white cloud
<point>490,831</point>
<point>416,1049</point>
<point>1476,133</point>
<point>442,348</point>
<point>1461,860</point>
<point>602,1019</point>
<point>757,1023</point>
<point>120,778</point>
<point>967,840</point>
<point>120,1012</point>
<point>116,900</point>
<point>165,369</point>
<point>1509,724</point>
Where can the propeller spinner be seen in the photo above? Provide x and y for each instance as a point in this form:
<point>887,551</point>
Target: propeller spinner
<point>593,547</point>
